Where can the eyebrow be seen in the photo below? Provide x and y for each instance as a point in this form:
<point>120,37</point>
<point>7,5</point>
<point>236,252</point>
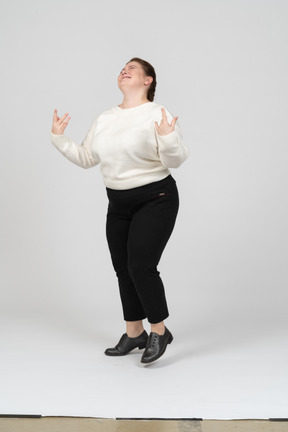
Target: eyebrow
<point>129,67</point>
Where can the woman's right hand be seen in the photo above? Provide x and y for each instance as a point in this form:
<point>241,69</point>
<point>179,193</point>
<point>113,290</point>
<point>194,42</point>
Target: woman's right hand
<point>59,124</point>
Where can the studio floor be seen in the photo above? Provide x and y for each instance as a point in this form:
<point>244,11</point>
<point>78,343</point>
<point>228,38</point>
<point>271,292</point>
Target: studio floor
<point>50,424</point>
<point>55,366</point>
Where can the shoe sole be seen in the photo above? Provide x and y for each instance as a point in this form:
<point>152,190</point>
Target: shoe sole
<point>141,346</point>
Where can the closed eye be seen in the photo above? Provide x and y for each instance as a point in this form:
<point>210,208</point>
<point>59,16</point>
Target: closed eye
<point>130,67</point>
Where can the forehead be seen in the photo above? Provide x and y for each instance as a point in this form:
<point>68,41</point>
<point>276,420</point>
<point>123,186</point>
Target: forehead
<point>133,63</point>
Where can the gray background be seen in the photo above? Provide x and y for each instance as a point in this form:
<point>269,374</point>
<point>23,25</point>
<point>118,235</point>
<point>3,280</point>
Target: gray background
<point>222,68</point>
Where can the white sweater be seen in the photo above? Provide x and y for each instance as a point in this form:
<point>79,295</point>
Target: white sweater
<point>126,144</point>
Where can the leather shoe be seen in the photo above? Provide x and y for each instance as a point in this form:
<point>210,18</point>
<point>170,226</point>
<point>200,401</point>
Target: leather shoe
<point>127,344</point>
<point>156,346</point>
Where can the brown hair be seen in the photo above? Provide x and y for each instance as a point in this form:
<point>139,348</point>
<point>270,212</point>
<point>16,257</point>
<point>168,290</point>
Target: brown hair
<point>149,71</point>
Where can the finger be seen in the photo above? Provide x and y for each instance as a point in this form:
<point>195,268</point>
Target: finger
<point>64,124</point>
<point>63,117</point>
<point>164,113</point>
<point>55,117</point>
<point>156,125</point>
<point>66,121</point>
<point>174,121</point>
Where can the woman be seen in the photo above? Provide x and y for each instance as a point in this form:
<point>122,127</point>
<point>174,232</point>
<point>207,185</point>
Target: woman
<point>136,143</point>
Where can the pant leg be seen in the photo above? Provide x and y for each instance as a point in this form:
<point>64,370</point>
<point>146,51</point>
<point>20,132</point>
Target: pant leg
<point>117,230</point>
<point>150,229</point>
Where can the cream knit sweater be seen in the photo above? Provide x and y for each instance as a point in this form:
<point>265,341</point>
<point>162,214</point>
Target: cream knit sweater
<point>126,144</point>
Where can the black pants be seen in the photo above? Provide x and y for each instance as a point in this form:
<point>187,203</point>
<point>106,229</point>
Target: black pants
<point>139,224</point>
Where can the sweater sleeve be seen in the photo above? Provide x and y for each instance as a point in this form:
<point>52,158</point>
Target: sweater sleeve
<point>171,150</point>
<point>80,155</point>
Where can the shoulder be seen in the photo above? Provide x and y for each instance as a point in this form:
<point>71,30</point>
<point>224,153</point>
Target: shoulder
<point>104,115</point>
<point>157,107</point>
<point>108,112</point>
<point>158,110</point>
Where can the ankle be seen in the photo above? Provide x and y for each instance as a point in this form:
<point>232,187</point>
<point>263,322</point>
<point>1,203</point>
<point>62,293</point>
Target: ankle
<point>134,329</point>
<point>158,328</point>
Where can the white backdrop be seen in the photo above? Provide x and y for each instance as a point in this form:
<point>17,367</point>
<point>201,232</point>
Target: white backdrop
<point>222,68</point>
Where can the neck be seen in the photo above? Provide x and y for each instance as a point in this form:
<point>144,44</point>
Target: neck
<point>131,101</point>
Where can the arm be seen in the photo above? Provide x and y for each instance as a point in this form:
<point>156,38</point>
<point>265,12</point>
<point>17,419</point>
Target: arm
<point>169,137</point>
<point>80,155</point>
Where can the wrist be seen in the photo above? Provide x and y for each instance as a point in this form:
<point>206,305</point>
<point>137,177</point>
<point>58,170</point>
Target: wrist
<point>55,133</point>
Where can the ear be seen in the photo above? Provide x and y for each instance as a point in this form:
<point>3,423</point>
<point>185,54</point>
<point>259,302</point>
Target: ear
<point>148,81</point>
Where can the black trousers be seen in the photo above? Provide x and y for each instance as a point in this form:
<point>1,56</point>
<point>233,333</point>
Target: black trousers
<point>139,224</point>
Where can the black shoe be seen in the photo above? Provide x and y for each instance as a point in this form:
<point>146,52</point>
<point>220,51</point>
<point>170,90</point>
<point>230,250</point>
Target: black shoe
<point>127,344</point>
<point>156,346</point>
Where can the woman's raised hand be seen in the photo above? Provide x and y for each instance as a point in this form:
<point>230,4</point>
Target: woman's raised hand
<point>59,124</point>
<point>165,128</point>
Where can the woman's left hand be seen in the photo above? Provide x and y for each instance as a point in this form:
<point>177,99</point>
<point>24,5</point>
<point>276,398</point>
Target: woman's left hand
<point>165,128</point>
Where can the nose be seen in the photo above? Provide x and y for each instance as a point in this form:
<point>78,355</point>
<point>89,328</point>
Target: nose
<point>124,71</point>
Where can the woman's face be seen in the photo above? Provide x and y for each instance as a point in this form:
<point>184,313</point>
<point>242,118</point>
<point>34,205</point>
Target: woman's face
<point>132,76</point>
